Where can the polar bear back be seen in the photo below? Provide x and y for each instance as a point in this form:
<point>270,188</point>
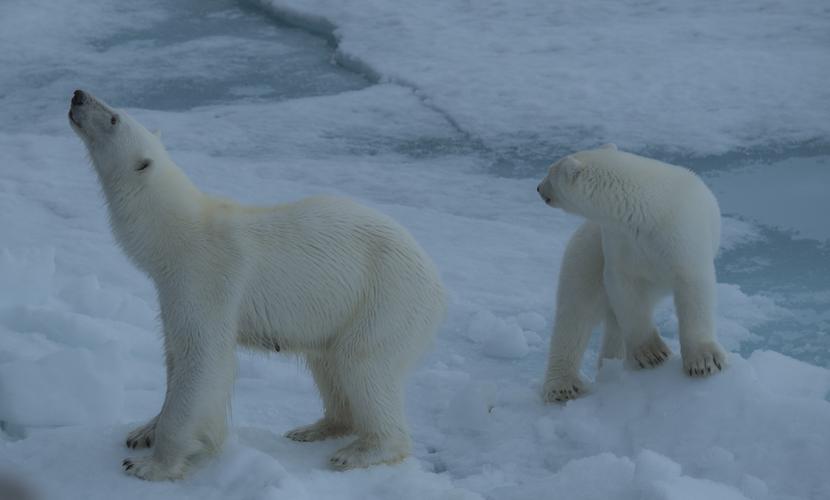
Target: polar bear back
<point>323,261</point>
<point>628,190</point>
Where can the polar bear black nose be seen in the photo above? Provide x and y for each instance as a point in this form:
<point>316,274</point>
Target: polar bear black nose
<point>78,98</point>
<point>539,189</point>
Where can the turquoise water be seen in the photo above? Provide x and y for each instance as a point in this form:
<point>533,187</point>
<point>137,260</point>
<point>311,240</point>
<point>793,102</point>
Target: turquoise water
<point>791,260</point>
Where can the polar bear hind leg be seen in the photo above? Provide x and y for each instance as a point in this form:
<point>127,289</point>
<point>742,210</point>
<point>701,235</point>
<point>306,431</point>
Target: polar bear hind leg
<point>651,352</point>
<point>375,390</point>
<point>632,302</point>
<point>373,383</point>
<point>337,419</point>
<point>372,357</point>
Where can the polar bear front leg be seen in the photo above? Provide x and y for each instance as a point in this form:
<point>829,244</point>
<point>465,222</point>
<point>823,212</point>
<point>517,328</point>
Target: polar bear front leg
<point>632,304</point>
<point>694,299</point>
<point>580,306</point>
<point>337,420</point>
<point>144,436</point>
<point>193,420</point>
<point>572,331</point>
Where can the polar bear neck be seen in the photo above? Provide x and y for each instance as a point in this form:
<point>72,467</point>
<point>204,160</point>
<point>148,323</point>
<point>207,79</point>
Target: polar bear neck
<point>155,221</point>
<point>624,196</point>
<point>638,196</point>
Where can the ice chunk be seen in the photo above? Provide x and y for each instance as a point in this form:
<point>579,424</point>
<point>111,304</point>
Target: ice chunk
<point>506,341</point>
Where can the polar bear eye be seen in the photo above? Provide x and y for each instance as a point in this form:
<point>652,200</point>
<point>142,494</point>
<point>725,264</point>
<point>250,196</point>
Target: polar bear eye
<point>143,165</point>
<point>114,119</point>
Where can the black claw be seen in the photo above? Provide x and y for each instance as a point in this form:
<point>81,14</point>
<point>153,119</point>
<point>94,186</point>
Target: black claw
<point>147,442</point>
<point>718,365</point>
<point>641,364</point>
<point>576,389</point>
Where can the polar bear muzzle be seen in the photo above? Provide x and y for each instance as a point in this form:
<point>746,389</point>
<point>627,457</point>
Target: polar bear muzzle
<point>90,117</point>
<point>545,190</point>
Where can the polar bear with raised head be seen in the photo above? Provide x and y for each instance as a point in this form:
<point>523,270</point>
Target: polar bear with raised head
<point>335,282</point>
<point>653,229</point>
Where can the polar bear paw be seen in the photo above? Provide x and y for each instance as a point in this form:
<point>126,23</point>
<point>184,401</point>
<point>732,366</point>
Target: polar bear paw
<point>704,359</point>
<point>559,389</point>
<point>650,354</point>
<point>369,451</point>
<point>151,469</point>
<point>318,431</point>
<point>142,437</point>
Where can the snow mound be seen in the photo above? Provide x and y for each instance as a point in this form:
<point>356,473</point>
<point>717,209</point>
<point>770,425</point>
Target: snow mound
<point>653,434</point>
<point>504,338</point>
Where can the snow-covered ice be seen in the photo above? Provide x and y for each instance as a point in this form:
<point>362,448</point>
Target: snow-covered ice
<point>708,76</point>
<point>425,100</point>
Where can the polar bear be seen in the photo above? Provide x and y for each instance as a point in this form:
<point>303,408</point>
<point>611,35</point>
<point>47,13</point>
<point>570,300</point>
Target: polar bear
<point>335,282</point>
<point>652,229</point>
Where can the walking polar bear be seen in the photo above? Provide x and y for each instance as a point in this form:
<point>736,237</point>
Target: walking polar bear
<point>653,229</point>
<point>340,284</point>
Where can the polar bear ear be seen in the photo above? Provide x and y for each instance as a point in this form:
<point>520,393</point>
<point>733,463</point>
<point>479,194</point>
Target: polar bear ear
<point>610,145</point>
<point>571,167</point>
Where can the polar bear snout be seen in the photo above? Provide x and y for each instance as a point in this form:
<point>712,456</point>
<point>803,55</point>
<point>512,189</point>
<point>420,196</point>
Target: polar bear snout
<point>544,192</point>
<point>78,98</point>
<point>89,116</point>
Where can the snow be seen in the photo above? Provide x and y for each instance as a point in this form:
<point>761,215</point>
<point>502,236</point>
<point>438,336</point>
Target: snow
<point>704,77</point>
<point>80,356</point>
<point>47,388</point>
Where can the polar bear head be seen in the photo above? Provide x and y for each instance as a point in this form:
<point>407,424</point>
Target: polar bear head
<point>146,193</point>
<point>121,149</point>
<point>572,181</point>
<point>558,187</point>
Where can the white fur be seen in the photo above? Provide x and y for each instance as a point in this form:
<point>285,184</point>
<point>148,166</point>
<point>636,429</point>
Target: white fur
<point>653,229</point>
<point>340,284</point>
